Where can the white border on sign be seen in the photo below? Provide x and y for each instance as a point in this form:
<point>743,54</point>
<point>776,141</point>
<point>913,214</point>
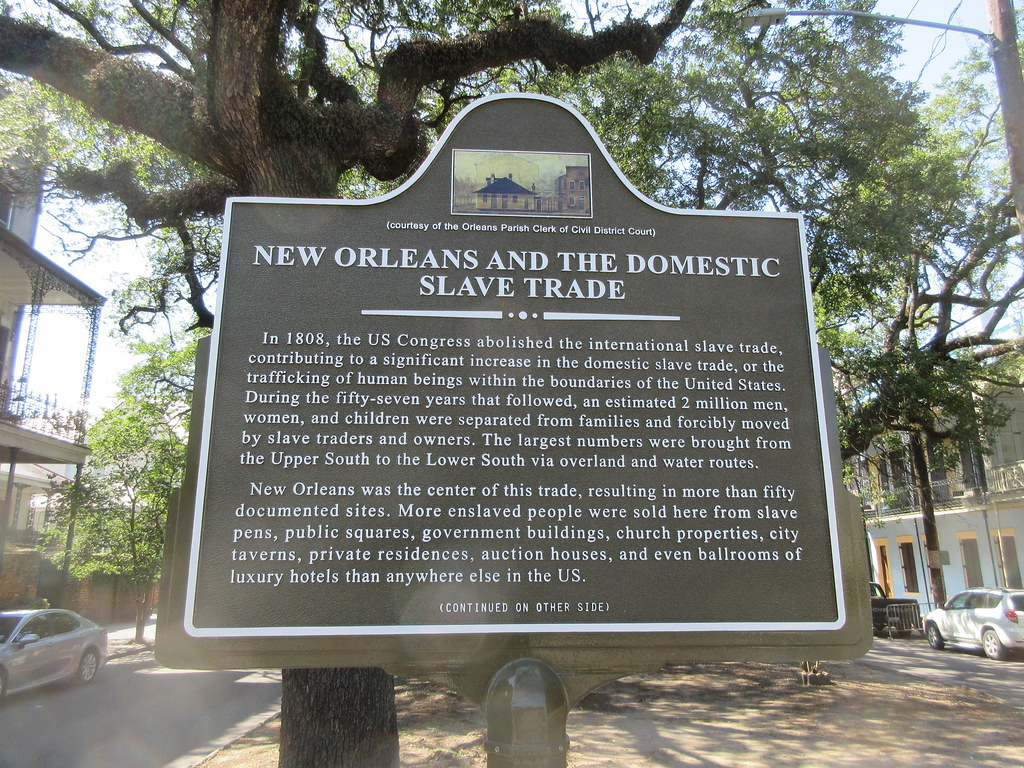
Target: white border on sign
<point>829,460</point>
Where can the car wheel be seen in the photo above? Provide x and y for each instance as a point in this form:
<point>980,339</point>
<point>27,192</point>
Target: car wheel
<point>993,646</point>
<point>88,666</point>
<point>935,639</point>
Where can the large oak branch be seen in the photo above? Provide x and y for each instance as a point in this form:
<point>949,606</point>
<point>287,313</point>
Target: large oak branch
<point>117,90</point>
<point>118,182</point>
<point>413,65</point>
<point>248,121</point>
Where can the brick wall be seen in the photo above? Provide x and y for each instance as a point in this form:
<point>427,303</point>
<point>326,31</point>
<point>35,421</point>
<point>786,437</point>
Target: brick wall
<point>102,598</point>
<point>19,579</point>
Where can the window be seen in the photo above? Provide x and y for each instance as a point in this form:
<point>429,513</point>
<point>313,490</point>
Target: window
<point>983,600</point>
<point>909,566</point>
<point>976,600</point>
<point>959,602</point>
<point>884,577</point>
<point>971,560</point>
<point>1007,563</point>
<point>7,625</point>
<point>572,186</point>
<point>35,626</point>
<point>62,623</point>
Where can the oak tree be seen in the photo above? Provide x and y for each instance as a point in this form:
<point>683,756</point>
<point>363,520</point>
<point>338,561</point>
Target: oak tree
<point>198,100</point>
<point>914,254</point>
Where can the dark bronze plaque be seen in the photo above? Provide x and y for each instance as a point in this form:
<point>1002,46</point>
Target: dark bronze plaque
<point>513,397</point>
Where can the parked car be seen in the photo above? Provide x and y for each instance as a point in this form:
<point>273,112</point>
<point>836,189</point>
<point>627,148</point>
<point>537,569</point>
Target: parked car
<point>893,615</point>
<point>42,646</point>
<point>990,619</point>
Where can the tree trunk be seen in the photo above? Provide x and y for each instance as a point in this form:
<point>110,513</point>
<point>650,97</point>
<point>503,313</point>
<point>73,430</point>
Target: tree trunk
<point>338,718</point>
<point>1006,61</point>
<point>141,615</point>
<point>919,456</point>
<point>330,718</point>
<point>69,541</point>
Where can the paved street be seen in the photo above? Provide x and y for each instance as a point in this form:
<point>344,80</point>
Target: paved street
<point>913,656</point>
<point>135,714</point>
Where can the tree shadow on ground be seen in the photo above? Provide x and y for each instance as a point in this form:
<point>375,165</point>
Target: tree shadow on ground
<point>732,714</point>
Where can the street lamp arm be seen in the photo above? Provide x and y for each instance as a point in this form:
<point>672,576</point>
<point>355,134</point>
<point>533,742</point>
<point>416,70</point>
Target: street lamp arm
<point>762,17</point>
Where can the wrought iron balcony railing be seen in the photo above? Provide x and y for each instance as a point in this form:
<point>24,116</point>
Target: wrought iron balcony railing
<point>42,414</point>
<point>1006,478</point>
<point>947,494</point>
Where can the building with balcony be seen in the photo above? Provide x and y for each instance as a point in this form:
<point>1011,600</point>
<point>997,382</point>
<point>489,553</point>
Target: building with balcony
<point>979,511</point>
<point>41,438</point>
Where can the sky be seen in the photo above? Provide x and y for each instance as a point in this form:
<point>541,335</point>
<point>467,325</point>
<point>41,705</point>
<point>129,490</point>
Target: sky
<point>930,54</point>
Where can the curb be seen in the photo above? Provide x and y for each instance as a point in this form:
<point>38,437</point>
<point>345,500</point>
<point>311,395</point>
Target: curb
<point>236,734</point>
<point>134,649</point>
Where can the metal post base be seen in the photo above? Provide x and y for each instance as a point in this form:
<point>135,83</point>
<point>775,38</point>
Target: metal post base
<point>811,673</point>
<point>526,709</point>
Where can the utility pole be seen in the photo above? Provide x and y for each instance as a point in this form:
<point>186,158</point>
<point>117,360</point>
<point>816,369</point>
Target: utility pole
<point>1010,82</point>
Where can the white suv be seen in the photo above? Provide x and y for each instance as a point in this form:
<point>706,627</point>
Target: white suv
<point>990,619</point>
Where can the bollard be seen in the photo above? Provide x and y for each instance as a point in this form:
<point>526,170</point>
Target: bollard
<point>526,709</point>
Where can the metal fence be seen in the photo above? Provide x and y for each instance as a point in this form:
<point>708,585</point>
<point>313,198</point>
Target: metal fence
<point>42,414</point>
<point>902,619</point>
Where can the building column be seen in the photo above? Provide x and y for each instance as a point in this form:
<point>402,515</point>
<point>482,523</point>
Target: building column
<point>90,360</point>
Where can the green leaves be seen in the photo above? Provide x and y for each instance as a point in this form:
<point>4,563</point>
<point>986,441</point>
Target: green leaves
<point>116,511</point>
<point>913,264</point>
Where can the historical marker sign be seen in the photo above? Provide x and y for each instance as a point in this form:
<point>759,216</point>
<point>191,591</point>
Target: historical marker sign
<point>513,397</point>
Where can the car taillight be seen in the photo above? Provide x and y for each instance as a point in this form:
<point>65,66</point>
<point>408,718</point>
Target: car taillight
<point>1011,615</point>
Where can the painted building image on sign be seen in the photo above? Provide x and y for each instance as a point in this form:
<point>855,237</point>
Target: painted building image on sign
<point>521,183</point>
<point>420,421</point>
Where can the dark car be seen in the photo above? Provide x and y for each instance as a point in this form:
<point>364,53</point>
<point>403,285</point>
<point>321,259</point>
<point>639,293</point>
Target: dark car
<point>42,646</point>
<point>893,615</point>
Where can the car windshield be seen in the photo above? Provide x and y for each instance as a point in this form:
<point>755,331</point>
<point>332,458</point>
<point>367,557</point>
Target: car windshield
<point>7,625</point>
<point>1017,602</point>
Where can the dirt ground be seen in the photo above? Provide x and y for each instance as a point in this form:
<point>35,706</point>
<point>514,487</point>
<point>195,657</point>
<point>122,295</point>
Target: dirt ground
<point>716,715</point>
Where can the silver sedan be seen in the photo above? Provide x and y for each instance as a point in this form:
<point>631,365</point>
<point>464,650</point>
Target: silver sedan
<point>42,646</point>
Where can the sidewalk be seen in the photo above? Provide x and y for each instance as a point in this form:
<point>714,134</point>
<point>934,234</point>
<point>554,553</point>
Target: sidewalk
<point>121,638</point>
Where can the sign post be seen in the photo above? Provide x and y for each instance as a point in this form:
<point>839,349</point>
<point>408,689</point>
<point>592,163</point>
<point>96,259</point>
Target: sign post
<point>513,410</point>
